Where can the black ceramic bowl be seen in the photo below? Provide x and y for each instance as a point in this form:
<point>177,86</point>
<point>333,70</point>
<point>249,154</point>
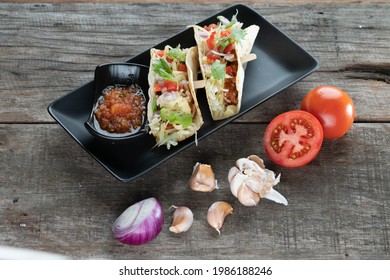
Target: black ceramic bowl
<point>118,74</point>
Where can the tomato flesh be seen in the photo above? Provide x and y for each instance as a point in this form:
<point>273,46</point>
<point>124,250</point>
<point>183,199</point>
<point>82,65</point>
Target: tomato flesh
<point>211,57</point>
<point>333,108</point>
<point>167,86</point>
<point>181,67</point>
<point>211,41</point>
<point>293,139</point>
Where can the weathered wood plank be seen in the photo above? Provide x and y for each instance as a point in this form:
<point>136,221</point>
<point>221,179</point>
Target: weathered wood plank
<point>206,2</point>
<point>55,197</point>
<point>48,50</point>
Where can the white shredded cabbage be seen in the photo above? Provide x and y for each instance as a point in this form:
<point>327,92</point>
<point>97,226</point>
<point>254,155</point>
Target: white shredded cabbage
<point>167,133</point>
<point>174,102</point>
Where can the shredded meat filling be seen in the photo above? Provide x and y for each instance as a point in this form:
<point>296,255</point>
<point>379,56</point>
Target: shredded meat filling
<point>231,95</point>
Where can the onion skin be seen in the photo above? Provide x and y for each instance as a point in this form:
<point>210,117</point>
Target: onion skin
<point>127,230</point>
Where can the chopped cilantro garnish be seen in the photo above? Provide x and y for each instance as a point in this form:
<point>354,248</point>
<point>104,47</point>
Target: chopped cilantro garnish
<point>161,68</point>
<point>236,36</point>
<point>183,119</point>
<point>223,43</point>
<point>177,53</point>
<point>218,70</point>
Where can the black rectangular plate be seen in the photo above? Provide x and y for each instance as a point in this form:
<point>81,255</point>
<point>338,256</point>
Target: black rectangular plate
<point>280,63</point>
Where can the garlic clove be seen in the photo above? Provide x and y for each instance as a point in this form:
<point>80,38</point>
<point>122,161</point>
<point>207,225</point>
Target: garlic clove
<point>247,197</point>
<point>236,182</point>
<point>202,178</point>
<point>182,219</point>
<point>217,213</point>
<point>232,172</point>
<point>258,160</point>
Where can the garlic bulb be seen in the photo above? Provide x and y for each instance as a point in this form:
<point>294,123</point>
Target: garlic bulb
<point>250,181</point>
<point>203,178</point>
<point>182,219</point>
<point>217,213</point>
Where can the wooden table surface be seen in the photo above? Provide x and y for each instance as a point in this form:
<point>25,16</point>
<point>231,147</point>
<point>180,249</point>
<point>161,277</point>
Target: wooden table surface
<point>55,197</point>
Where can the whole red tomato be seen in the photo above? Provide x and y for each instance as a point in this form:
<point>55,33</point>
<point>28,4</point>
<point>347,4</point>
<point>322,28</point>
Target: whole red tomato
<point>333,108</point>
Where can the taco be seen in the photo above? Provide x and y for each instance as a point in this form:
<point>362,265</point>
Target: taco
<point>221,49</point>
<point>173,110</point>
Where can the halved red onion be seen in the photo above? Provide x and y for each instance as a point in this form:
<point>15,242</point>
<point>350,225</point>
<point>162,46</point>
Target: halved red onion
<point>140,223</point>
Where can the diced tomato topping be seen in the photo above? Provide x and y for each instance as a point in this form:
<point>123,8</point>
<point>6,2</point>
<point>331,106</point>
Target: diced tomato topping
<point>210,41</point>
<point>158,87</point>
<point>170,85</point>
<point>167,85</point>
<point>228,49</point>
<point>160,53</point>
<point>211,57</point>
<point>181,67</point>
<point>226,32</point>
<point>211,26</point>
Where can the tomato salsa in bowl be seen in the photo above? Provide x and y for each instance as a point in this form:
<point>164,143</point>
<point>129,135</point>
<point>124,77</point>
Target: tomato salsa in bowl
<point>120,102</point>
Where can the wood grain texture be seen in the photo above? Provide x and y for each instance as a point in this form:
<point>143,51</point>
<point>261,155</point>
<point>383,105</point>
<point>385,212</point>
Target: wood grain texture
<point>204,1</point>
<point>55,197</point>
<point>55,48</point>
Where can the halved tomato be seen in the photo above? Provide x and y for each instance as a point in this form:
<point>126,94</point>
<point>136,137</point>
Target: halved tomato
<point>293,139</point>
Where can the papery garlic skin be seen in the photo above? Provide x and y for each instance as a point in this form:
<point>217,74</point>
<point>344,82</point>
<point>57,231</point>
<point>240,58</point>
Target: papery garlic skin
<point>217,213</point>
<point>258,160</point>
<point>203,178</point>
<point>182,219</point>
<point>250,181</point>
